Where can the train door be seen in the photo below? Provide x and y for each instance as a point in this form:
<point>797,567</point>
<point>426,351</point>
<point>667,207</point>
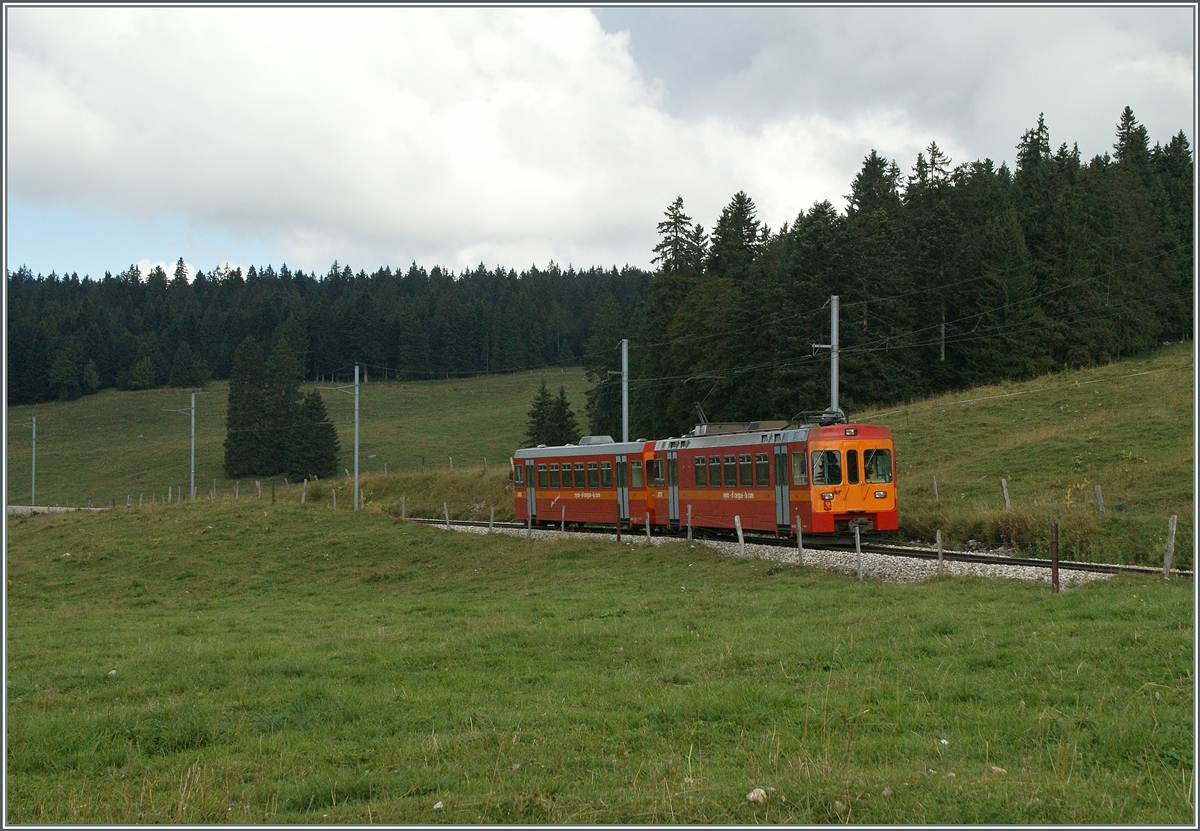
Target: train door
<point>622,490</point>
<point>673,487</point>
<point>530,493</point>
<point>782,520</point>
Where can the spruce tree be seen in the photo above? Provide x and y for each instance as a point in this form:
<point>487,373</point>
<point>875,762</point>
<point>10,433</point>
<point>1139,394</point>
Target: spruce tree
<point>538,429</point>
<point>563,428</point>
<point>312,445</point>
<point>282,405</point>
<point>245,413</point>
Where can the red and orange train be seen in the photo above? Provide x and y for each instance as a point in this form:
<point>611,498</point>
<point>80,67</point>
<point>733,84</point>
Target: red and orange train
<point>829,477</point>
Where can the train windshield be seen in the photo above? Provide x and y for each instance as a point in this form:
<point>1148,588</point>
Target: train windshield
<point>878,466</point>
<point>826,467</point>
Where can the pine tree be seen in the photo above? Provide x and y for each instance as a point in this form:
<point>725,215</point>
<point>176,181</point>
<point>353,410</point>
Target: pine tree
<point>312,444</point>
<point>245,413</point>
<point>282,404</point>
<point>539,424</point>
<point>563,427</point>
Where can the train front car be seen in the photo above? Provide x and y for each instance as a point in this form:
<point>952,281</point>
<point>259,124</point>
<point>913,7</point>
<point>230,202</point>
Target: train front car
<point>852,479</point>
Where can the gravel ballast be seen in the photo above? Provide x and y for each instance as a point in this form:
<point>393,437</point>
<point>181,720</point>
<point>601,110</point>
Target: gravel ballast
<point>884,567</point>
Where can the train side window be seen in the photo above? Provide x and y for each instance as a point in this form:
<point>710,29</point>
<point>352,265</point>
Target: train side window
<point>659,479</point>
<point>541,476</point>
<point>852,467</point>
<point>731,471</point>
<point>762,470</point>
<point>593,477</point>
<point>554,480</point>
<point>635,473</point>
<point>519,475</point>
<point>606,474</point>
<point>878,466</point>
<point>827,467</point>
<point>579,476</point>
<point>701,472</point>
<point>799,469</point>
<point>745,472</point>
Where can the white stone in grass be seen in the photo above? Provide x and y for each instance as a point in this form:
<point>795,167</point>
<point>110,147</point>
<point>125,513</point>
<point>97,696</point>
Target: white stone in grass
<point>943,741</point>
<point>998,770</point>
<point>757,795</point>
<point>437,806</point>
<point>65,556</point>
<point>112,672</point>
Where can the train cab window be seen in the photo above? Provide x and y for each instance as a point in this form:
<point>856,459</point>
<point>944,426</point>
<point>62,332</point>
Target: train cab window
<point>554,480</point>
<point>635,474</point>
<point>579,475</point>
<point>827,467</point>
<point>852,467</point>
<point>799,469</point>
<point>606,474</point>
<point>877,464</point>
<point>701,472</point>
<point>593,477</point>
<point>745,473</point>
<point>659,479</point>
<point>731,471</point>
<point>541,476</point>
<point>519,475</point>
<point>762,471</point>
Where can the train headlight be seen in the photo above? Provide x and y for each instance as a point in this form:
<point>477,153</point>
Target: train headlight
<point>827,496</point>
<point>881,494</point>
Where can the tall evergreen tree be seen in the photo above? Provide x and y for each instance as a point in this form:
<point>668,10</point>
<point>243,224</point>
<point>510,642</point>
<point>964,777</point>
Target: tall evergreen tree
<point>246,412</point>
<point>312,442</point>
<point>539,423</point>
<point>563,427</point>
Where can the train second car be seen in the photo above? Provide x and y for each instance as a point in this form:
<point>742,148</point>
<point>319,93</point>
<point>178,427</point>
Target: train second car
<point>829,478</point>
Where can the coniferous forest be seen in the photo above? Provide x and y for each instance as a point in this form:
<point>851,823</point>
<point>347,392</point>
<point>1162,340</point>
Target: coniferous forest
<point>948,275</point>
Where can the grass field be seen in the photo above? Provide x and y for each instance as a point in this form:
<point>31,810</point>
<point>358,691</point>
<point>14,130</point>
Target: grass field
<point>1127,427</point>
<point>252,663</point>
<point>114,444</point>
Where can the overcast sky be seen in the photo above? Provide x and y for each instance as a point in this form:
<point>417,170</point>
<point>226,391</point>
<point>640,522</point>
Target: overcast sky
<point>382,136</point>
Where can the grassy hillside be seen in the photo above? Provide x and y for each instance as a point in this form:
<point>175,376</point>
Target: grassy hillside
<point>267,663</point>
<point>1127,427</point>
<point>116,443</point>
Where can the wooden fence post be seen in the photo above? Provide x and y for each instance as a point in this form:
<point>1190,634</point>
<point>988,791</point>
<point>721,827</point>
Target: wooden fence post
<point>737,523</point>
<point>689,534</point>
<point>1099,501</point>
<point>935,490</point>
<point>258,487</point>
<point>303,491</point>
<point>446,511</point>
<point>403,509</point>
<point>1170,548</point>
<point>491,518</point>
<point>939,547</point>
<point>858,552</point>
<point>1054,556</point>
<point>799,542</point>
<point>1004,490</point>
<point>334,492</point>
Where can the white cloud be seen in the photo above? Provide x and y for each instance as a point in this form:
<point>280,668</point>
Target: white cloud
<point>515,136</point>
<point>400,133</point>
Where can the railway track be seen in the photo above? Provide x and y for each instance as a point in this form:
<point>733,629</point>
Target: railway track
<point>847,544</point>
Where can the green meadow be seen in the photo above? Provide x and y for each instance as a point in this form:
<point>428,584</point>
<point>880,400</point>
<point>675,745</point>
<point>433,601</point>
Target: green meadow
<point>276,663</point>
<point>1126,427</point>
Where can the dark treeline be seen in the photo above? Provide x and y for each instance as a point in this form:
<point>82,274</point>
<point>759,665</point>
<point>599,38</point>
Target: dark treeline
<point>69,336</point>
<point>948,277</point>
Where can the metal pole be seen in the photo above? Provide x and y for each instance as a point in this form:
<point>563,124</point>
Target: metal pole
<point>193,447</point>
<point>33,471</point>
<point>625,389</point>
<point>356,437</point>
<point>833,354</point>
